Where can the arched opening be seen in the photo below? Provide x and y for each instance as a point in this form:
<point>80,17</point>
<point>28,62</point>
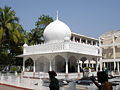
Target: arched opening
<point>83,59</point>
<point>59,64</point>
<point>29,65</point>
<point>42,64</point>
<point>72,64</point>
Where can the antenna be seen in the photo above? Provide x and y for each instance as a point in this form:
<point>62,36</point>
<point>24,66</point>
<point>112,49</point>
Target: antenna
<point>57,15</point>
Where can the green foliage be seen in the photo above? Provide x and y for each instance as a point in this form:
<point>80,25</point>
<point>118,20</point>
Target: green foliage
<point>92,68</point>
<point>14,68</point>
<point>11,36</point>
<point>43,21</point>
<point>36,35</point>
<point>86,67</point>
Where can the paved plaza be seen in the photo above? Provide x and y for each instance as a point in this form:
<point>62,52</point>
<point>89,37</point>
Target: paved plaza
<point>3,87</point>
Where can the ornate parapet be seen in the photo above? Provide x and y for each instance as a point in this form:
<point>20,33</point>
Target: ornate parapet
<point>62,47</point>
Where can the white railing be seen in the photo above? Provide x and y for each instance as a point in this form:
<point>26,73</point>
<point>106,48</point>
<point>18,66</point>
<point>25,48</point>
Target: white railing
<point>62,46</point>
<point>45,75</point>
<point>47,47</point>
<point>84,48</point>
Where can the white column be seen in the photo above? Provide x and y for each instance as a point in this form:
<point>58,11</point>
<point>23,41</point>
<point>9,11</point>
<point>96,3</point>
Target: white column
<point>80,40</point>
<point>113,47</point>
<point>96,43</point>
<point>86,41</point>
<point>92,64</point>
<point>66,66</point>
<point>104,65</point>
<point>86,64</point>
<point>97,65</point>
<point>34,66</point>
<point>118,66</point>
<point>114,65</point>
<point>91,42</point>
<point>78,67</point>
<point>23,64</point>
<point>73,38</point>
<point>114,56</point>
<point>50,66</point>
<point>100,64</point>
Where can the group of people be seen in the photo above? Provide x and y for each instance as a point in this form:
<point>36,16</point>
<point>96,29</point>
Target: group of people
<point>102,78</point>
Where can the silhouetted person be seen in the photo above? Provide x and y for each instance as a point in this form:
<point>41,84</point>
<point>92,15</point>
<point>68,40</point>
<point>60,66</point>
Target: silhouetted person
<point>103,79</point>
<point>54,83</point>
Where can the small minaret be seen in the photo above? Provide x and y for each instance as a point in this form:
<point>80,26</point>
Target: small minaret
<point>24,48</point>
<point>57,15</point>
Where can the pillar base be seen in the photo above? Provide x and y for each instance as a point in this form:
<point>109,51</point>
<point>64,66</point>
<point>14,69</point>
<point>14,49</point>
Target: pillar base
<point>22,73</point>
<point>33,74</point>
<point>66,76</point>
<point>78,76</point>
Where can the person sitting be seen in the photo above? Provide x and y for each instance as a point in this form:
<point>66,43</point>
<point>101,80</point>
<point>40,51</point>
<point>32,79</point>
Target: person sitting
<point>103,79</point>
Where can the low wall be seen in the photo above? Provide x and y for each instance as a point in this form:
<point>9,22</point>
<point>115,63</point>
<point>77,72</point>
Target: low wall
<point>59,75</point>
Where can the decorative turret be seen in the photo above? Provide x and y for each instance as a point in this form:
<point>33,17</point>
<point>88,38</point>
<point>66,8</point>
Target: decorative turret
<point>25,45</point>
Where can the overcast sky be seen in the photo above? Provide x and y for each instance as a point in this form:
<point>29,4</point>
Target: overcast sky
<point>87,17</point>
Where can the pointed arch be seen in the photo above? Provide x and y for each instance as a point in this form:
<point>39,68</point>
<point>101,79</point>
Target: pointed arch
<point>59,63</point>
<point>29,64</point>
<point>72,64</point>
<point>42,64</point>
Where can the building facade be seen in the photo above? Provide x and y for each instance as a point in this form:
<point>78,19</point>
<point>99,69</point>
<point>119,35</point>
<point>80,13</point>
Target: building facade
<point>110,47</point>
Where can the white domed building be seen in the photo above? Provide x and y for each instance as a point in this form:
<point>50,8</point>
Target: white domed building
<point>63,51</point>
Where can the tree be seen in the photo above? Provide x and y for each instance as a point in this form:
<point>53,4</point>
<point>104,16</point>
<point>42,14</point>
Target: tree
<point>36,35</point>
<point>11,35</point>
<point>7,18</point>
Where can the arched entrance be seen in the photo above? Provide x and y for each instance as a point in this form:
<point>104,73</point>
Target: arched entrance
<point>83,59</point>
<point>59,64</point>
<point>29,65</point>
<point>72,64</point>
<point>42,64</point>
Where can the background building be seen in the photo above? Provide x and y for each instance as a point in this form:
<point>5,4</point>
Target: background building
<point>110,47</point>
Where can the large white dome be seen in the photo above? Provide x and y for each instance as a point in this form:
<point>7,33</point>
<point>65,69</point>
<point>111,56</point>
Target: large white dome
<point>56,31</point>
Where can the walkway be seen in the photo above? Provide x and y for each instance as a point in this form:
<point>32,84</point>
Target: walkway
<point>9,87</point>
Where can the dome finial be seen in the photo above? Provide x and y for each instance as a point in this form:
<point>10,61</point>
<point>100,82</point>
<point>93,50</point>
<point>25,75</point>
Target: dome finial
<point>57,15</point>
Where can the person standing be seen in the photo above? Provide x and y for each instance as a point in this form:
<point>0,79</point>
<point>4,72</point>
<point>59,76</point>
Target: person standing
<point>54,83</point>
